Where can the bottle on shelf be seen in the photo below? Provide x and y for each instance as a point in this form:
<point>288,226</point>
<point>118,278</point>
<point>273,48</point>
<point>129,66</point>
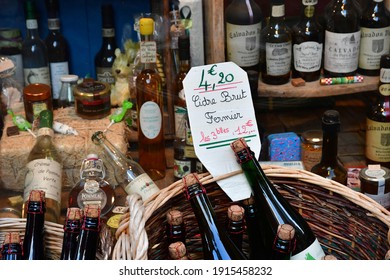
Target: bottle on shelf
<point>106,55</point>
<point>235,224</point>
<point>72,227</point>
<point>66,98</point>
<point>128,173</point>
<point>12,247</point>
<point>11,47</point>
<point>276,47</point>
<point>342,39</point>
<point>176,30</point>
<point>308,40</point>
<point>33,242</point>
<point>57,49</point>
<point>175,227</point>
<point>44,168</point>
<point>273,208</point>
<point>284,243</point>
<point>216,242</point>
<point>177,251</point>
<point>92,188</point>
<point>150,102</point>
<point>375,37</point>
<point>34,51</point>
<point>329,166</point>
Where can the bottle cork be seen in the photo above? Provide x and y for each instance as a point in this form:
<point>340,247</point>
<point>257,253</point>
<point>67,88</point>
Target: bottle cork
<point>74,213</point>
<point>191,179</point>
<point>12,237</point>
<point>329,258</point>
<point>238,145</point>
<point>235,213</point>
<point>286,232</point>
<point>92,211</point>
<point>37,195</point>
<point>175,217</point>
<point>177,251</point>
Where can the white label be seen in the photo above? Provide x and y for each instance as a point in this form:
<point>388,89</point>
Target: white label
<point>148,50</point>
<point>313,252</point>
<point>243,43</point>
<point>181,168</point>
<point>31,24</point>
<point>142,185</point>
<point>45,175</point>
<point>91,194</point>
<point>341,51</point>
<point>180,121</point>
<point>384,75</point>
<point>57,69</point>
<point>37,75</point>
<point>150,119</point>
<point>309,2</point>
<point>278,10</point>
<point>104,74</point>
<point>374,43</point>
<point>278,58</point>
<point>307,56</point>
<point>382,199</point>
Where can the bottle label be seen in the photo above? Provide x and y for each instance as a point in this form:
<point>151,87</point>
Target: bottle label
<point>278,10</point>
<point>104,74</point>
<point>31,24</point>
<point>243,43</point>
<point>180,121</point>
<point>341,51</point>
<point>108,32</point>
<point>278,58</point>
<point>37,108</point>
<point>57,69</point>
<point>378,141</point>
<point>313,252</point>
<point>309,2</point>
<point>91,194</point>
<point>142,185</point>
<point>384,89</point>
<point>40,75</point>
<point>53,23</point>
<point>307,56</point>
<point>46,175</point>
<point>374,42</point>
<point>150,119</point>
<point>148,50</point>
<point>384,75</point>
<point>189,152</point>
<point>181,168</point>
<point>382,199</point>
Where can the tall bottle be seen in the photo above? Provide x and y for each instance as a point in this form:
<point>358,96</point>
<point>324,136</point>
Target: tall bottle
<point>11,47</point>
<point>106,55</point>
<point>329,165</point>
<point>235,224</point>
<point>276,47</point>
<point>274,209</point>
<point>34,51</point>
<point>176,30</point>
<point>33,242</point>
<point>12,248</point>
<point>151,144</point>
<point>342,39</point>
<point>175,228</point>
<point>243,23</point>
<point>57,48</point>
<point>216,243</point>
<point>378,119</point>
<point>308,39</point>
<point>375,37</point>
<point>284,243</point>
<point>128,172</point>
<point>72,227</point>
<point>44,168</point>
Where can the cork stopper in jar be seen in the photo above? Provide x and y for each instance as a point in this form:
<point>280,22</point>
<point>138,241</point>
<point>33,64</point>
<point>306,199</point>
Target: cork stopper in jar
<point>175,217</point>
<point>92,210</point>
<point>74,213</point>
<point>235,213</point>
<point>286,232</point>
<point>177,250</point>
<point>37,195</point>
<point>12,237</point>
<point>238,145</point>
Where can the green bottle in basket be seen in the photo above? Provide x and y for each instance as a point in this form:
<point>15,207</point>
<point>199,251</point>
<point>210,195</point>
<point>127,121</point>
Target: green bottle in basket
<point>274,209</point>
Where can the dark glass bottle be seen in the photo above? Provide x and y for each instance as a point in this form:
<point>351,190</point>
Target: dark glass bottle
<point>72,226</point>
<point>276,47</point>
<point>375,37</point>
<point>216,243</point>
<point>175,228</point>
<point>176,30</point>
<point>284,243</point>
<point>33,242</point>
<point>12,248</point>
<point>308,38</point>
<point>235,224</point>
<point>106,55</point>
<point>273,208</point>
<point>329,165</point>
<point>378,119</point>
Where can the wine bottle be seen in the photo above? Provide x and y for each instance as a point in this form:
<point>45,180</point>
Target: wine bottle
<point>106,55</point>
<point>308,39</point>
<point>11,47</point>
<point>176,30</point>
<point>151,144</point>
<point>128,173</point>
<point>72,227</point>
<point>329,165</point>
<point>44,168</point>
<point>342,39</point>
<point>375,37</point>
<point>243,20</point>
<point>34,51</point>
<point>284,243</point>
<point>175,228</point>
<point>216,243</point>
<point>33,242</point>
<point>177,251</point>
<point>276,47</point>
<point>273,208</point>
<point>235,224</point>
<point>57,49</point>
<point>378,119</point>
<point>12,248</point>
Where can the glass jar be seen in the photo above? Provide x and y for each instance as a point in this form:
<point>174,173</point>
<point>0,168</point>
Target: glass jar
<point>375,183</point>
<point>36,98</point>
<point>311,148</point>
<point>66,98</point>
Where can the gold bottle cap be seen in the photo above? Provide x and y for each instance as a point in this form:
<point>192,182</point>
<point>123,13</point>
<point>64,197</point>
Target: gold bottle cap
<point>286,232</point>
<point>12,237</point>
<point>177,250</point>
<point>235,213</point>
<point>174,217</point>
<point>146,26</point>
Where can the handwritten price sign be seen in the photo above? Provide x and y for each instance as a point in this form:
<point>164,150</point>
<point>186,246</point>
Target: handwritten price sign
<point>220,110</point>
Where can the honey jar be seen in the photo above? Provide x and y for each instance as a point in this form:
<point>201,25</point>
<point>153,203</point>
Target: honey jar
<point>375,183</point>
<point>36,98</point>
<point>311,148</point>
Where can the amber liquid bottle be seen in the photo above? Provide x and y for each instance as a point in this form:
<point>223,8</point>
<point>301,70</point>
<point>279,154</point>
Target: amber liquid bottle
<point>12,248</point>
<point>72,226</point>
<point>151,142</point>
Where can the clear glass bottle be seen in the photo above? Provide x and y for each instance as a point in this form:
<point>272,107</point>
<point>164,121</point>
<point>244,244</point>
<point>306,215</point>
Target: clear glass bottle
<point>12,247</point>
<point>72,227</point>
<point>66,98</point>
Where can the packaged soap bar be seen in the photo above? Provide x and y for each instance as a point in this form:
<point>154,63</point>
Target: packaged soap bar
<point>284,146</point>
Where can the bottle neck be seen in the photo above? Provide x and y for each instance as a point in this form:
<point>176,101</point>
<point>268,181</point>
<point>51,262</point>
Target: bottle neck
<point>277,12</point>
<point>308,10</point>
<point>53,24</point>
<point>32,28</point>
<point>185,66</point>
<point>329,146</point>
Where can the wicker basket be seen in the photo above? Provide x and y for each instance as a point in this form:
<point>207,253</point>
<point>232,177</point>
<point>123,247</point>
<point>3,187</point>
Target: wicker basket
<point>348,224</point>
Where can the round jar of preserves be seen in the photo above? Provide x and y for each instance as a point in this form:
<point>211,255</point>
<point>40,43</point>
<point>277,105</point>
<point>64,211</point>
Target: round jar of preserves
<point>375,183</point>
<point>311,148</point>
<point>36,98</point>
<point>92,99</point>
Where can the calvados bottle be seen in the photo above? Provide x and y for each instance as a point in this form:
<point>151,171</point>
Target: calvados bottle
<point>375,37</point>
<point>128,173</point>
<point>33,242</point>
<point>284,243</point>
<point>92,188</point>
<point>274,209</point>
<point>308,39</point>
<point>44,168</point>
<point>34,51</point>
<point>329,166</point>
<point>151,144</point>
<point>175,228</point>
<point>342,39</point>
<point>72,227</point>
<point>57,49</point>
<point>276,47</point>
<point>216,243</point>
<point>235,224</point>
<point>106,54</point>
<point>12,247</point>
<point>378,119</point>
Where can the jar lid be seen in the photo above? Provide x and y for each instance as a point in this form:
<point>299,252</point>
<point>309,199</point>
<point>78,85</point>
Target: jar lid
<point>312,137</point>
<point>91,87</point>
<point>69,78</point>
<point>375,173</point>
<point>37,92</point>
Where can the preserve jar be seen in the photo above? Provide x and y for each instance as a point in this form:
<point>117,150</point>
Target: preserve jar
<point>311,148</point>
<point>36,98</point>
<point>375,183</point>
